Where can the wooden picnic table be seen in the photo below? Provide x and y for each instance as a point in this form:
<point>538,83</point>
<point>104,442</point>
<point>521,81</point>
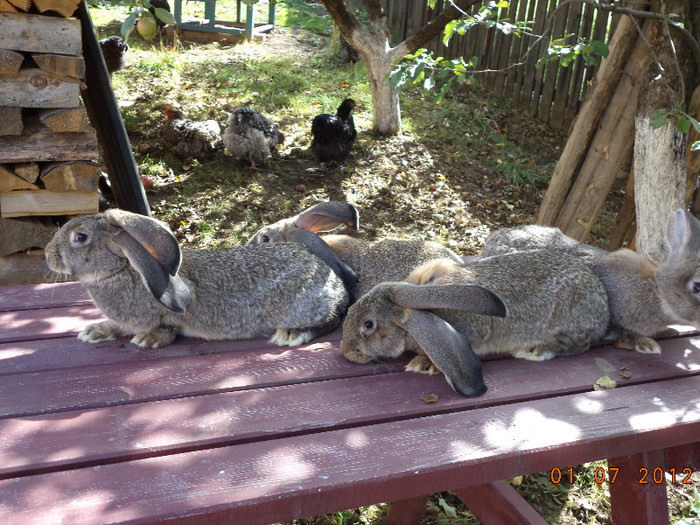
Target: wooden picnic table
<point>249,433</point>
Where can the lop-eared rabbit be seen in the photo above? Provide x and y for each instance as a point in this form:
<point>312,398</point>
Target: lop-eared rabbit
<point>644,298</point>
<point>136,274</point>
<point>533,305</point>
<point>362,263</point>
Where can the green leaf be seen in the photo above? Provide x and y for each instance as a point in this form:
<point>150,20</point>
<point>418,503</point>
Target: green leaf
<point>449,509</point>
<point>448,31</point>
<point>695,123</point>
<point>503,4</point>
<point>432,4</point>
<point>658,119</point>
<point>165,15</point>
<point>599,48</point>
<point>128,24</point>
<point>683,124</point>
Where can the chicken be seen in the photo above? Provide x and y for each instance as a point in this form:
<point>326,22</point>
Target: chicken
<point>114,52</point>
<point>251,136</point>
<point>187,138</point>
<point>333,135</point>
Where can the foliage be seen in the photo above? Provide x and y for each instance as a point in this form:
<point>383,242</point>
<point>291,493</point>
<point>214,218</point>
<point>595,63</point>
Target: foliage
<point>661,117</point>
<point>693,517</point>
<point>439,73</point>
<point>141,17</point>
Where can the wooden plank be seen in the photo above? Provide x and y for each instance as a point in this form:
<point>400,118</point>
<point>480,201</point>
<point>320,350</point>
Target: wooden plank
<point>41,34</point>
<point>61,65</point>
<point>10,62</point>
<point>518,47</point>
<point>45,202</point>
<point>50,295</point>
<point>64,8</point>
<point>113,395</point>
<point>277,480</point>
<point>34,88</point>
<point>71,176</point>
<point>11,182</point>
<point>563,82</point>
<point>636,499</point>
<point>11,121</point>
<point>500,503</point>
<point>67,120</point>
<point>17,235</point>
<point>553,69</point>
<point>43,324</point>
<point>29,171</point>
<point>525,84</point>
<point>39,144</point>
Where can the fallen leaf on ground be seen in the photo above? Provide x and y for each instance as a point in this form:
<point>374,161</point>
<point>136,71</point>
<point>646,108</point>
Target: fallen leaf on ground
<point>604,383</point>
<point>429,398</point>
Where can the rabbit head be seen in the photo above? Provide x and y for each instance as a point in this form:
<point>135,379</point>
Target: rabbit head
<point>95,247</point>
<point>679,278</point>
<point>322,217</point>
<point>395,317</point>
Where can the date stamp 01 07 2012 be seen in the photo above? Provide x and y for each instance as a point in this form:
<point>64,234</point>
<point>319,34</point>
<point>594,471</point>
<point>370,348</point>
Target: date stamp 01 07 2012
<point>601,475</point>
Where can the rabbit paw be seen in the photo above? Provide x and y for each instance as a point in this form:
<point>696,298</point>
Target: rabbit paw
<point>155,338</point>
<point>646,345</point>
<point>104,331</point>
<point>422,364</point>
<point>291,337</point>
<point>536,353</point>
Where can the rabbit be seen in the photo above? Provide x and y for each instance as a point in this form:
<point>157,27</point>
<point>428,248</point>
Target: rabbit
<point>644,298</point>
<point>136,274</point>
<point>534,305</point>
<point>371,262</point>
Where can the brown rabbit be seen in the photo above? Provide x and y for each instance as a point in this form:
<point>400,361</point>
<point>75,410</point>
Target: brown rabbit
<point>136,274</point>
<point>369,262</point>
<point>644,298</point>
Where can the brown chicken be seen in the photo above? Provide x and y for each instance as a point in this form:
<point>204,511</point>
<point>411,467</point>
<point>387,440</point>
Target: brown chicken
<point>189,139</point>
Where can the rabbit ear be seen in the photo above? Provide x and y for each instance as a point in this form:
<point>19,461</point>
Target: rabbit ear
<point>326,216</point>
<point>463,297</point>
<point>153,235</point>
<point>449,351</point>
<point>681,230</point>
<point>154,253</point>
<point>320,249</point>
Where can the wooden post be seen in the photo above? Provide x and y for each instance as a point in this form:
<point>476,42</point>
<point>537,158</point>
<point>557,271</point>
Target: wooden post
<point>586,122</point>
<point>107,120</point>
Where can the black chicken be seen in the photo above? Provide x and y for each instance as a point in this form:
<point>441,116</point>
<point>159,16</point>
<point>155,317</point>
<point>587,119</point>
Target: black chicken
<point>251,136</point>
<point>114,51</point>
<point>333,135</point>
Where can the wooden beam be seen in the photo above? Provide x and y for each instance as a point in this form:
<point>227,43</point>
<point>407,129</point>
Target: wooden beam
<point>11,182</point>
<point>62,65</point>
<point>42,34</point>
<point>11,121</point>
<point>66,120</point>
<point>29,171</point>
<point>499,502</point>
<point>71,176</point>
<point>34,88</point>
<point>409,510</point>
<point>64,8</point>
<point>22,5</point>
<point>44,202</point>
<point>39,144</point>
<point>10,62</point>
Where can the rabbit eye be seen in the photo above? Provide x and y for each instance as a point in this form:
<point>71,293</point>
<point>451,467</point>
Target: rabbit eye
<point>265,238</point>
<point>80,238</point>
<point>696,287</point>
<point>368,325</point>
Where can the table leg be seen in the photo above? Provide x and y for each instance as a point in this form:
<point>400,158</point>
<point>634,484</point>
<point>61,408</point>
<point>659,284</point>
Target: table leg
<point>500,503</point>
<point>405,511</point>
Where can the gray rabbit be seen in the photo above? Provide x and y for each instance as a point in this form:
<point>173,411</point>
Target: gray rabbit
<point>136,274</point>
<point>364,263</point>
<point>533,305</point>
<point>644,298</point>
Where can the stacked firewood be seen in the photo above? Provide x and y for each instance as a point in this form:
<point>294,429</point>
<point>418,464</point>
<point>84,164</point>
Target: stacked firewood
<point>48,149</point>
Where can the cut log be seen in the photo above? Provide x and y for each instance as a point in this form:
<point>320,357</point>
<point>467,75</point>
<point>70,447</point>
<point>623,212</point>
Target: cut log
<point>586,122</point>
<point>39,144</point>
<point>11,121</point>
<point>72,176</point>
<point>7,7</point>
<point>609,150</point>
<point>44,202</point>
<point>34,88</point>
<point>19,234</point>
<point>64,8</point>
<point>29,171</point>
<point>22,5</point>
<point>70,120</point>
<point>40,34</point>
<point>11,182</point>
<point>61,65</point>
<point>10,62</point>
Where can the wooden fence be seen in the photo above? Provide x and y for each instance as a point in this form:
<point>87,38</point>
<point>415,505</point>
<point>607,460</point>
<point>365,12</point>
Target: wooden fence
<point>550,91</point>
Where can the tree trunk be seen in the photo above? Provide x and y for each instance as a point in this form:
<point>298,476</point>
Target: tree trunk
<point>386,112</point>
<point>660,154</point>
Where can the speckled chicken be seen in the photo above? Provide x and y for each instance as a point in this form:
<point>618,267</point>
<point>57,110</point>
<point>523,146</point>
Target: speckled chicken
<point>189,139</point>
<point>251,136</point>
<point>333,135</point>
<point>114,52</point>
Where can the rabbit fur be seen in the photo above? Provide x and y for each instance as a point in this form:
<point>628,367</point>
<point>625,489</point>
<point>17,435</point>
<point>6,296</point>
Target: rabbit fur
<point>644,298</point>
<point>533,305</point>
<point>136,274</point>
<point>371,262</point>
